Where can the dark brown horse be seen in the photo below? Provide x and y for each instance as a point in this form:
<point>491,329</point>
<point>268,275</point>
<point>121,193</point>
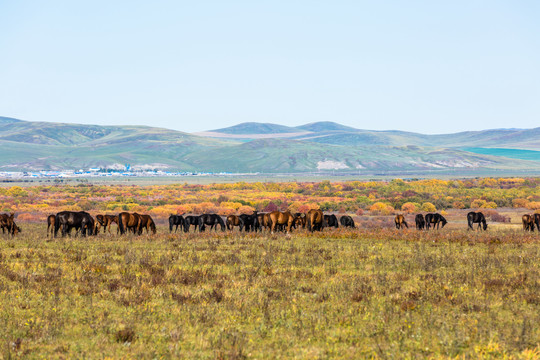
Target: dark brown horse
<point>315,220</point>
<point>528,222</point>
<point>400,222</point>
<point>232,221</point>
<point>128,222</point>
<point>300,220</point>
<point>106,221</point>
<point>50,224</point>
<point>146,222</point>
<point>7,222</point>
<point>281,218</point>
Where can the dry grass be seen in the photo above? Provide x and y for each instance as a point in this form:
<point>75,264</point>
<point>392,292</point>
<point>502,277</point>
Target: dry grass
<point>378,293</point>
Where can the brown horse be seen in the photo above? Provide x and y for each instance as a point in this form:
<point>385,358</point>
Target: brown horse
<point>7,223</point>
<point>300,220</point>
<point>263,221</point>
<point>400,222</point>
<point>50,224</point>
<point>281,218</point>
<point>315,220</point>
<point>528,222</point>
<point>147,223</point>
<point>127,221</point>
<point>106,221</point>
<point>232,221</point>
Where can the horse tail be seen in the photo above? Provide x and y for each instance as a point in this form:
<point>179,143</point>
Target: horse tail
<point>171,220</point>
<point>56,225</point>
<point>121,224</point>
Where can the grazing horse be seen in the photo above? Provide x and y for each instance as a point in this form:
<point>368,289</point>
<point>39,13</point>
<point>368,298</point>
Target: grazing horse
<point>251,222</point>
<point>476,217</point>
<point>435,220</point>
<point>128,222</point>
<point>300,220</point>
<point>262,221</point>
<point>347,221</point>
<point>7,223</point>
<point>420,222</point>
<point>400,222</point>
<point>192,220</point>
<point>537,221</point>
<point>212,220</point>
<point>281,218</point>
<point>106,221</point>
<point>315,220</point>
<point>146,223</point>
<point>234,220</point>
<point>50,224</point>
<point>78,220</point>
<point>528,222</point>
<point>176,220</point>
<point>331,221</point>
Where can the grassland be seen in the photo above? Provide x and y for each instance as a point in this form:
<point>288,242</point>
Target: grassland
<point>376,293</point>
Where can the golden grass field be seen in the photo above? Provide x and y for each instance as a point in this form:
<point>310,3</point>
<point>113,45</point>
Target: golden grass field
<point>364,293</point>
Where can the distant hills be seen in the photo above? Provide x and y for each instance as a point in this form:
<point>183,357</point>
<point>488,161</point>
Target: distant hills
<point>333,133</point>
<point>265,148</point>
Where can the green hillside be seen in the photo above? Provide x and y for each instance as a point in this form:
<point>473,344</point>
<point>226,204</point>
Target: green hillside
<point>57,146</point>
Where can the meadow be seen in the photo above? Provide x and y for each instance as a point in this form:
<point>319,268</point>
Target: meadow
<point>371,292</point>
<point>364,293</point>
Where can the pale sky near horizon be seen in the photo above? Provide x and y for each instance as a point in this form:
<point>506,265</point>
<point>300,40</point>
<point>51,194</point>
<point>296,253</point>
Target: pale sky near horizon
<point>423,66</point>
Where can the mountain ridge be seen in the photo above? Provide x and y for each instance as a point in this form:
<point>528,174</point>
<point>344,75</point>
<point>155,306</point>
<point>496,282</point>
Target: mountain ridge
<point>56,146</point>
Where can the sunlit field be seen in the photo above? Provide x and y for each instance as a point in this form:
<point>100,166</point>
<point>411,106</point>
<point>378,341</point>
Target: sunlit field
<point>376,292</point>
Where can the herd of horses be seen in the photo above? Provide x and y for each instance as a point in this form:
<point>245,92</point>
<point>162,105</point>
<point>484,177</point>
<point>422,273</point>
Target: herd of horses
<point>85,224</point>
<point>314,220</point>
<point>436,220</point>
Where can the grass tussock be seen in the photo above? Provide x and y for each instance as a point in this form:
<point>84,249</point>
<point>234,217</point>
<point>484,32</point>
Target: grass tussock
<point>338,294</point>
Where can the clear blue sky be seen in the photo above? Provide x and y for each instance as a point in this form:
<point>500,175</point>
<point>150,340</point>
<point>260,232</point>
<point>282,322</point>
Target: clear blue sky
<point>426,66</point>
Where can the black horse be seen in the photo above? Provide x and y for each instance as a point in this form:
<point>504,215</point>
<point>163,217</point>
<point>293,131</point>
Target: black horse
<point>251,222</point>
<point>420,222</point>
<point>212,220</point>
<point>435,220</point>
<point>192,220</point>
<point>176,220</point>
<point>537,221</point>
<point>347,221</point>
<point>331,221</point>
<point>78,220</point>
<point>476,217</point>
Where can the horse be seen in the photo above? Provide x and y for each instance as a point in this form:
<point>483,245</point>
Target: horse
<point>281,218</point>
<point>176,220</point>
<point>528,222</point>
<point>300,220</point>
<point>537,221</point>
<point>251,222</point>
<point>234,220</point>
<point>476,217</point>
<point>79,220</point>
<point>192,220</point>
<point>331,221</point>
<point>212,220</point>
<point>315,220</point>
<point>128,222</point>
<point>420,222</point>
<point>146,223</point>
<point>7,222</point>
<point>347,221</point>
<point>262,222</point>
<point>435,219</point>
<point>50,224</point>
<point>400,222</point>
<point>106,221</point>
